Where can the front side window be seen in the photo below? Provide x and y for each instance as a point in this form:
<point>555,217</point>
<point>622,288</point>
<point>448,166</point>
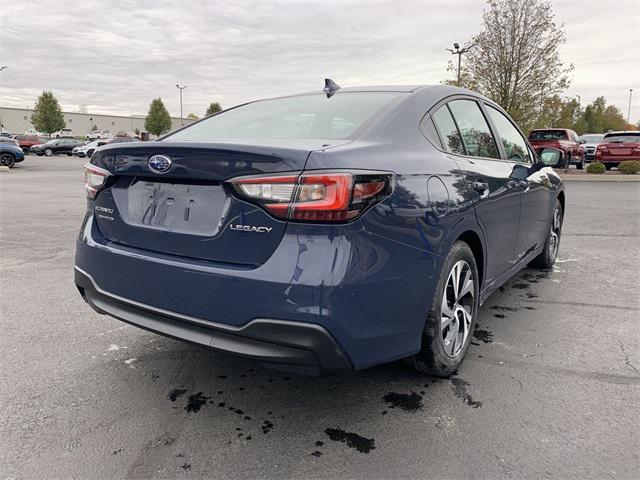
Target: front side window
<point>476,134</point>
<point>514,143</point>
<point>299,117</point>
<point>449,133</point>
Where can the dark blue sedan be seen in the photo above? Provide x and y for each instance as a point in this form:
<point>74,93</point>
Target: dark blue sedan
<point>321,232</point>
<point>10,154</point>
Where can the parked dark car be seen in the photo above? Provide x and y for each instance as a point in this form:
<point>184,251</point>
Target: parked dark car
<point>56,147</point>
<point>27,141</point>
<point>10,154</point>
<point>563,139</point>
<point>617,147</point>
<point>321,232</point>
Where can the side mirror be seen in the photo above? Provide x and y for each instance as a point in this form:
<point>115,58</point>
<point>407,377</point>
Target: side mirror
<point>550,157</point>
<point>582,141</point>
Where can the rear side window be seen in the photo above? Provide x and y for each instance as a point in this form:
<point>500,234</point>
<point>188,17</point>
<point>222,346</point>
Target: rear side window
<point>514,144</point>
<point>476,134</point>
<point>304,116</point>
<point>541,135</point>
<point>429,131</point>
<point>449,134</point>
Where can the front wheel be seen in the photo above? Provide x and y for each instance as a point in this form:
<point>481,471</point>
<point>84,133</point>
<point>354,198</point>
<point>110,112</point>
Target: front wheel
<point>452,318</point>
<point>48,152</point>
<point>581,164</point>
<point>549,254</point>
<point>7,160</point>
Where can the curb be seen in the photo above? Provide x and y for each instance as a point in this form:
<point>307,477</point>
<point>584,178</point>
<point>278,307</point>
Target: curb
<point>4,168</point>
<point>600,178</point>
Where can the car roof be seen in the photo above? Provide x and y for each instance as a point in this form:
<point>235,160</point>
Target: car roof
<point>623,132</point>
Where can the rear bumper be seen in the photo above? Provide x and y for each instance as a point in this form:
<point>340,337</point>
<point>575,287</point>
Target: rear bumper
<point>291,346</point>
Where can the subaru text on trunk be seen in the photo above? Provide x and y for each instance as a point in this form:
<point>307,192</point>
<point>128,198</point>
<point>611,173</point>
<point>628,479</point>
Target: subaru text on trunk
<point>321,232</point>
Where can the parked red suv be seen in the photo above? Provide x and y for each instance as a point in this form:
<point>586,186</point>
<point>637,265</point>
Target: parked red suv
<point>562,139</point>
<point>28,141</point>
<point>617,147</point>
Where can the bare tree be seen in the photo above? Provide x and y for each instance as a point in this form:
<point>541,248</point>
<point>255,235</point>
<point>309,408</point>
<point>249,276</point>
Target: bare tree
<point>516,60</point>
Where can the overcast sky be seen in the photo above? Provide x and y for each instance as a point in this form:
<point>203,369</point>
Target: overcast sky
<point>115,57</point>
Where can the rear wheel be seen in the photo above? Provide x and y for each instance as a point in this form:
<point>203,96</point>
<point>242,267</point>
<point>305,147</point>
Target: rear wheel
<point>580,165</point>
<point>548,256</point>
<point>7,160</point>
<point>451,320</point>
<point>48,152</point>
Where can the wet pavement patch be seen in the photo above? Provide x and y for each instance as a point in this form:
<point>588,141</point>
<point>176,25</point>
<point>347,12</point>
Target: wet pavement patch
<point>499,315</point>
<point>407,402</point>
<point>316,454</point>
<point>267,426</point>
<point>460,391</point>
<point>176,393</point>
<point>485,336</point>
<point>353,440</point>
<point>520,286</point>
<point>186,466</point>
<point>195,402</point>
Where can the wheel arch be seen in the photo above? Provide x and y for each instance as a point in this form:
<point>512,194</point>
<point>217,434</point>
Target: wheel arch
<point>561,200</point>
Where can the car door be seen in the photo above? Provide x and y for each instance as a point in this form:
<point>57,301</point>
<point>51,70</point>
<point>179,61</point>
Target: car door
<point>534,184</point>
<point>466,135</point>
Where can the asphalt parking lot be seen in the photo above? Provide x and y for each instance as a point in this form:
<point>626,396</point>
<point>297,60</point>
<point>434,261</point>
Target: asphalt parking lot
<point>550,389</point>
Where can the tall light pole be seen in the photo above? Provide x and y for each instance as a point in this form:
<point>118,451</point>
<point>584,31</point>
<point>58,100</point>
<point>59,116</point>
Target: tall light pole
<point>1,122</point>
<point>629,110</point>
<point>456,50</point>
<point>181,89</point>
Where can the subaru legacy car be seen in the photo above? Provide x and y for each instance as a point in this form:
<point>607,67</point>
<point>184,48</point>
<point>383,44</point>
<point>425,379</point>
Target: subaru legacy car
<point>321,232</point>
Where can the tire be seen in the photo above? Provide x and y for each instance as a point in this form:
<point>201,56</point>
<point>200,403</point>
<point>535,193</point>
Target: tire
<point>567,162</point>
<point>447,335</point>
<point>25,151</point>
<point>580,165</point>
<point>89,153</point>
<point>7,160</point>
<point>549,254</point>
<point>39,154</point>
<point>48,152</point>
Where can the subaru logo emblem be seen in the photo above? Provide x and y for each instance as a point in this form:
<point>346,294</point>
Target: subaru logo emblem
<point>159,164</point>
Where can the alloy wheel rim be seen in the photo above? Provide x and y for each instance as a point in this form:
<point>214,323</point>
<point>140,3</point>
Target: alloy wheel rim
<point>458,301</point>
<point>554,239</point>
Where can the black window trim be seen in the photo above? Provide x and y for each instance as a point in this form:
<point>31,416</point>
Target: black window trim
<point>481,104</point>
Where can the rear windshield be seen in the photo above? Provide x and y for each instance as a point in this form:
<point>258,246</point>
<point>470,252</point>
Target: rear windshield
<point>630,137</point>
<point>299,117</point>
<point>548,135</point>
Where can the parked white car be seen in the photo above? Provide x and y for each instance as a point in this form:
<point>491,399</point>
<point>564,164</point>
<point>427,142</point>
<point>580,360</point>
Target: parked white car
<point>590,141</point>
<point>32,132</point>
<point>65,132</point>
<point>88,149</point>
<point>96,134</point>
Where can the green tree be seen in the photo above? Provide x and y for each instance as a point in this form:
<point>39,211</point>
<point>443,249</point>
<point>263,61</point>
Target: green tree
<point>47,115</point>
<point>598,117</point>
<point>158,120</point>
<point>515,59</point>
<point>214,107</point>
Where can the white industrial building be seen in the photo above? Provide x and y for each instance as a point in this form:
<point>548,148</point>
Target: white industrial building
<point>18,120</point>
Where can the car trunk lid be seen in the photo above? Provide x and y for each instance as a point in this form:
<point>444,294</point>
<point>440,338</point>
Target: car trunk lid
<point>189,210</point>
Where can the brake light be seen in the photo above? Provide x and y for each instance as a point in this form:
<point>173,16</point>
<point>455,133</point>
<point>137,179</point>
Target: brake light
<point>94,179</point>
<point>317,196</point>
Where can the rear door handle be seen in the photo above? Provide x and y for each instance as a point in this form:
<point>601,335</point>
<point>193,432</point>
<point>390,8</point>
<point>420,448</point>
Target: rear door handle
<point>482,188</point>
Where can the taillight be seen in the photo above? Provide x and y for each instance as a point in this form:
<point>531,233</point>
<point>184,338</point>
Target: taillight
<point>317,196</point>
<point>94,179</point>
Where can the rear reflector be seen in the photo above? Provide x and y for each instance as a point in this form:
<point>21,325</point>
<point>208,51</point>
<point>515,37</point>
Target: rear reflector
<point>317,196</point>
